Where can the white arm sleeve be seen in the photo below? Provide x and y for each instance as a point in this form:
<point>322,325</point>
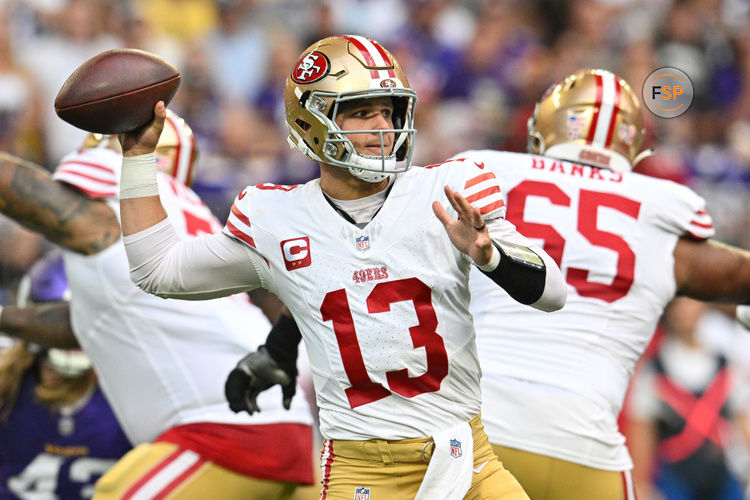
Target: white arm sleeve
<point>743,316</point>
<point>210,266</point>
<point>555,292</point>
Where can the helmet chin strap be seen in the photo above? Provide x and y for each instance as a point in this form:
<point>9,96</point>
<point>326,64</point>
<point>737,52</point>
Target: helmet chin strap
<point>373,167</point>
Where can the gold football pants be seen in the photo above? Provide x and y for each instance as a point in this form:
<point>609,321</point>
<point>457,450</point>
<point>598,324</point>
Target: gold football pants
<point>547,478</point>
<point>393,470</point>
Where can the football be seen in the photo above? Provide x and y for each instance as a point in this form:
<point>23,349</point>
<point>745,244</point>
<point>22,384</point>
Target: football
<point>115,91</point>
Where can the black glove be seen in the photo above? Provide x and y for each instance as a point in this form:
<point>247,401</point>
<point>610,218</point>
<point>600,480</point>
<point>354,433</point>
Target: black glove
<point>273,363</point>
<point>255,373</point>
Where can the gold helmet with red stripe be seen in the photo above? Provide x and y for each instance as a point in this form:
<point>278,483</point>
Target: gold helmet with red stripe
<point>339,69</point>
<point>591,117</point>
<point>176,151</point>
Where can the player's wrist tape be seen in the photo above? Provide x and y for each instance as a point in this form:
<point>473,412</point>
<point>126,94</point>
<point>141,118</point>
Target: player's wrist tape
<point>138,177</point>
<point>493,263</point>
<point>520,272</point>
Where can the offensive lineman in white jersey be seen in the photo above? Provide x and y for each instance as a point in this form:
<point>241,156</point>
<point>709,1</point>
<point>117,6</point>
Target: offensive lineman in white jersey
<point>161,363</point>
<point>553,385</point>
<point>372,267</point>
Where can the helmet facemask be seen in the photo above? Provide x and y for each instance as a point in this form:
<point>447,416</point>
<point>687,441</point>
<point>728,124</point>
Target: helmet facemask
<point>338,149</point>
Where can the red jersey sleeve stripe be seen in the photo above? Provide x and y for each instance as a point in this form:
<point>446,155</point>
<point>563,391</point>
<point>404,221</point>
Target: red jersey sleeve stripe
<point>479,178</point>
<point>483,194</point>
<point>78,173</point>
<point>702,225</point>
<point>242,217</point>
<point>86,164</point>
<point>240,235</point>
<point>491,207</point>
<point>695,236</point>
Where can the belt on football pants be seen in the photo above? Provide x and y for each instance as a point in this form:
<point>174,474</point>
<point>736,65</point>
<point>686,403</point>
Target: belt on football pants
<point>414,450</point>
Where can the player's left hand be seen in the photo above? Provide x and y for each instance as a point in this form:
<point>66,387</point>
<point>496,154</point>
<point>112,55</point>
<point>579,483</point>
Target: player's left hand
<point>255,373</point>
<point>468,233</point>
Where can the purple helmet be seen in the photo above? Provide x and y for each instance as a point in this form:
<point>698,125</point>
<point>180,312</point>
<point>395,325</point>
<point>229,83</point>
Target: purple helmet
<point>45,281</point>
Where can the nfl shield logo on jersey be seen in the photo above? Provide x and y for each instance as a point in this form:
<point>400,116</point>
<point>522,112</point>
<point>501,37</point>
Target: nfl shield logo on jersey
<point>455,448</point>
<point>362,493</point>
<point>363,242</point>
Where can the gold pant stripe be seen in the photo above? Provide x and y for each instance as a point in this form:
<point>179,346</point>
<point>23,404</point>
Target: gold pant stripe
<point>205,480</point>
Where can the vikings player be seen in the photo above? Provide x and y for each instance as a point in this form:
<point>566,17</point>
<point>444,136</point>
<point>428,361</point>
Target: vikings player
<point>58,434</point>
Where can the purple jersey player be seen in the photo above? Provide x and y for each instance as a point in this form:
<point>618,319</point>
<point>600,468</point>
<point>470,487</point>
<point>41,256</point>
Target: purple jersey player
<point>57,433</point>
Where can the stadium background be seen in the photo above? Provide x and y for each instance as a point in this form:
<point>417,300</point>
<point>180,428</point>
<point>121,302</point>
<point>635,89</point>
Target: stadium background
<point>478,67</point>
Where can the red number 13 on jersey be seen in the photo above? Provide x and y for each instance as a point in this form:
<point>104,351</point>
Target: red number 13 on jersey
<point>363,390</point>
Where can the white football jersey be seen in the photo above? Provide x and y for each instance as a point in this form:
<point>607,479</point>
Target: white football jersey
<point>554,383</point>
<point>161,362</point>
<point>383,310</point>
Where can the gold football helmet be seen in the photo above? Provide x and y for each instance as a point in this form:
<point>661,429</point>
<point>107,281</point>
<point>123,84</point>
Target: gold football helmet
<point>591,117</point>
<point>339,69</point>
<point>176,151</point>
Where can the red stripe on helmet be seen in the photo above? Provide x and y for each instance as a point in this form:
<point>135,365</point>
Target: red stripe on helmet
<point>370,60</point>
<point>365,53</point>
<point>385,57</point>
<point>597,107</point>
<point>615,110</point>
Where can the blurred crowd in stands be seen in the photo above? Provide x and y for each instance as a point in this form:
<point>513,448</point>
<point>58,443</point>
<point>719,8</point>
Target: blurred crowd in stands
<point>478,67</point>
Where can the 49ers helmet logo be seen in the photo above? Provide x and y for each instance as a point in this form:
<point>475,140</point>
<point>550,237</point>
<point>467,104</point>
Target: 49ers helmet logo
<point>311,67</point>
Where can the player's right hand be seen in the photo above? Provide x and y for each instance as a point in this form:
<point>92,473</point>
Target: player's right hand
<point>143,140</point>
<point>255,373</point>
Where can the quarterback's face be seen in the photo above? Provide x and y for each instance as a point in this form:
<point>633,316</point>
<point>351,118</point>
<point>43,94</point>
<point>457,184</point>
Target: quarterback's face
<point>368,114</point>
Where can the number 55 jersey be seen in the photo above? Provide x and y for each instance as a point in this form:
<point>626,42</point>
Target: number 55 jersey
<point>383,309</point>
<point>613,236</point>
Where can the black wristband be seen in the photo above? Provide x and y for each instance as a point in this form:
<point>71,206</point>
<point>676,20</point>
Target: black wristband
<point>522,279</point>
